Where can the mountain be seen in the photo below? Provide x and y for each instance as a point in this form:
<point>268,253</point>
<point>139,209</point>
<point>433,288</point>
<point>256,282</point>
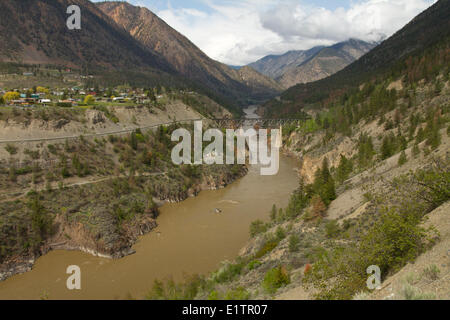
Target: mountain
<point>36,33</point>
<point>325,62</point>
<point>275,66</point>
<point>311,65</point>
<point>185,57</point>
<point>403,54</point>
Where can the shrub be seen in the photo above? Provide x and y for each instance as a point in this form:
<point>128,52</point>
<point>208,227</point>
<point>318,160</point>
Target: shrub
<point>64,104</point>
<point>318,208</point>
<point>52,149</point>
<point>237,294</point>
<point>409,292</point>
<point>213,295</point>
<point>433,185</point>
<point>89,100</point>
<point>432,272</point>
<point>294,241</point>
<point>253,265</point>
<point>362,296</point>
<point>170,290</point>
<point>280,233</point>
<point>392,242</point>
<point>332,229</point>
<point>308,269</point>
<point>228,272</point>
<point>395,240</point>
<point>273,213</point>
<point>32,154</point>
<point>416,150</point>
<point>403,158</point>
<point>257,227</point>
<point>275,279</point>
<point>11,149</point>
<point>268,247</point>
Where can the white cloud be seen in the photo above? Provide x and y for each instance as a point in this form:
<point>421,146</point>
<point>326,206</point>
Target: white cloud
<point>240,32</point>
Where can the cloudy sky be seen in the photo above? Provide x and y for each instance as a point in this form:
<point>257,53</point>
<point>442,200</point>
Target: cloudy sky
<point>238,32</point>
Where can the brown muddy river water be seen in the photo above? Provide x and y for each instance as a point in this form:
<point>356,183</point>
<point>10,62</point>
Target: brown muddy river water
<point>191,238</point>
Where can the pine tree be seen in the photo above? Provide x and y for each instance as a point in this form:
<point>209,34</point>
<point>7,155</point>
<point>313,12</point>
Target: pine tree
<point>133,141</point>
<point>416,150</point>
<point>273,213</point>
<point>386,149</point>
<point>344,169</point>
<point>324,185</point>
<point>403,158</point>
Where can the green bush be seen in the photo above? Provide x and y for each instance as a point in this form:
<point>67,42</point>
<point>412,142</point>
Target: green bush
<point>52,149</point>
<point>432,272</point>
<point>11,149</point>
<point>253,265</point>
<point>403,158</point>
<point>228,272</point>
<point>392,242</point>
<point>257,227</point>
<point>332,229</point>
<point>409,292</point>
<point>64,104</point>
<point>275,279</point>
<point>237,294</point>
<point>294,241</point>
<point>170,290</point>
<point>280,234</point>
<point>268,247</point>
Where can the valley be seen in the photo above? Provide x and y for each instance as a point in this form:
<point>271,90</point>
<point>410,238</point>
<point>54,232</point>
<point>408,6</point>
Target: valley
<point>88,176</point>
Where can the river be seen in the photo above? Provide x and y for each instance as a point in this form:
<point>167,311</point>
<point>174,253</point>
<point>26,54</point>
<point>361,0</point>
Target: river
<point>190,238</point>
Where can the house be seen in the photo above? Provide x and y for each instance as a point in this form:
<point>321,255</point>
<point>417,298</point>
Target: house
<point>45,101</point>
<point>18,102</point>
<point>72,102</point>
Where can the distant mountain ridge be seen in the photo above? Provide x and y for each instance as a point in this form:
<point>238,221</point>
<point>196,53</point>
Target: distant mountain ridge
<point>275,66</point>
<point>305,66</point>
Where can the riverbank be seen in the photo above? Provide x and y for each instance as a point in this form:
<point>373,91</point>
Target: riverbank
<point>75,236</point>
